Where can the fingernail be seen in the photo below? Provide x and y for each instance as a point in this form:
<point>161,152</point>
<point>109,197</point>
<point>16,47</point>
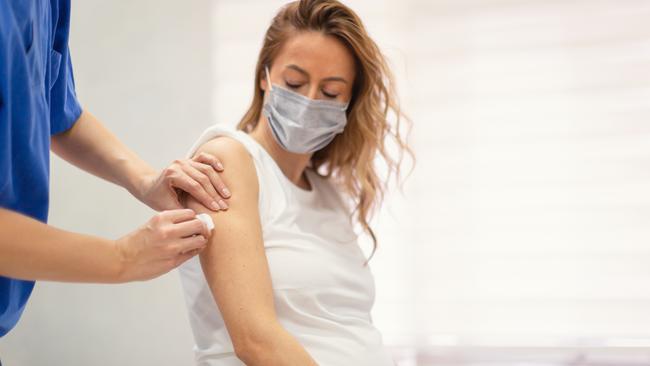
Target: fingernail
<point>215,206</point>
<point>219,166</point>
<point>223,204</point>
<point>226,191</point>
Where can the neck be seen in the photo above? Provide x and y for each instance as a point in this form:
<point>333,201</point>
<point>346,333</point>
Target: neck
<point>292,165</point>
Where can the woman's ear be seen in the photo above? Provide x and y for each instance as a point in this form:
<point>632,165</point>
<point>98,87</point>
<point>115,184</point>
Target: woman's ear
<point>263,83</point>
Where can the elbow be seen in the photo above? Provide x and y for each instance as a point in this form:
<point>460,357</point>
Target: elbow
<point>256,347</point>
<point>247,353</point>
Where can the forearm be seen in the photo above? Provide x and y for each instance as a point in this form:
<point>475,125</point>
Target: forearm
<point>31,250</point>
<point>92,147</point>
<point>275,347</point>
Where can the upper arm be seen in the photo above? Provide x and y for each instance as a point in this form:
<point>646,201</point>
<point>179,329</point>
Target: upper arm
<point>234,262</point>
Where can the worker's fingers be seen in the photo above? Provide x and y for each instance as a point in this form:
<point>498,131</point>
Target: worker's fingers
<point>182,258</point>
<point>189,228</point>
<point>217,183</point>
<point>205,181</point>
<point>209,159</point>
<point>213,161</point>
<point>176,216</point>
<point>187,245</point>
<point>194,251</point>
<point>185,183</point>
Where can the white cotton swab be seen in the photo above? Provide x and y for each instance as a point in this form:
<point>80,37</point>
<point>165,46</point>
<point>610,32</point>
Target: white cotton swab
<point>207,220</point>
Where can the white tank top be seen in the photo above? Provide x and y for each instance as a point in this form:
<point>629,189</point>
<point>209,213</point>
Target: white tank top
<point>323,294</point>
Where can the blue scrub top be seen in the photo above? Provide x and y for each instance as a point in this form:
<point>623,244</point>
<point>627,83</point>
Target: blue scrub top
<point>37,100</point>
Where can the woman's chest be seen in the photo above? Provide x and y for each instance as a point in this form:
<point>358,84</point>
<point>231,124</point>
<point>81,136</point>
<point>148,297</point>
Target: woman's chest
<point>319,252</point>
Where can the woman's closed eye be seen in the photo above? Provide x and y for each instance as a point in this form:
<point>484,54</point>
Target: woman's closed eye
<point>330,95</point>
<point>296,86</point>
<point>293,85</point>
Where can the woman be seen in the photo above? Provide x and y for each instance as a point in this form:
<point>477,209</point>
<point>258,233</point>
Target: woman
<point>283,280</point>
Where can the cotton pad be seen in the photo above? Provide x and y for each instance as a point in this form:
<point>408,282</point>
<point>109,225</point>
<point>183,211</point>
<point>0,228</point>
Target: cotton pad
<point>207,220</point>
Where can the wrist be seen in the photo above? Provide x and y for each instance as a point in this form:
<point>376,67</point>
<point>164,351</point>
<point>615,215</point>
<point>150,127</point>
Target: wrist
<point>119,267</point>
<point>142,184</point>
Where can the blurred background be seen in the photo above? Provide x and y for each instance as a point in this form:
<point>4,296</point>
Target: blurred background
<point>521,238</point>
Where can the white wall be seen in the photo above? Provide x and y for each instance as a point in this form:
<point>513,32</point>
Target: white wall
<point>528,214</point>
<point>143,67</point>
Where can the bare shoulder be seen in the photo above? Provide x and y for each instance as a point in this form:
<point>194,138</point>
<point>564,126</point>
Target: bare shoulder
<point>226,148</point>
<point>239,173</point>
<point>225,145</point>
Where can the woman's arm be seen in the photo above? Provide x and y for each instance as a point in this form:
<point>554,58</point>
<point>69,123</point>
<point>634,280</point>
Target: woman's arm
<point>235,266</point>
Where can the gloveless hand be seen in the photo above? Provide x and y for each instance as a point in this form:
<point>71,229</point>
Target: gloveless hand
<point>167,240</point>
<point>197,176</point>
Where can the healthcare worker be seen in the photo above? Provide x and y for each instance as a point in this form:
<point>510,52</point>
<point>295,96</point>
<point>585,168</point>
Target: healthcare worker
<point>39,111</point>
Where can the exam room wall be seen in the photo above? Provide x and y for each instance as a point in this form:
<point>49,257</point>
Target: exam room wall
<point>143,67</point>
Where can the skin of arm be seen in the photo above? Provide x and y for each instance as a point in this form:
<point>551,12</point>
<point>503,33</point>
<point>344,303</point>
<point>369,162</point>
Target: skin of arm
<point>32,250</point>
<point>90,146</point>
<point>236,268</point>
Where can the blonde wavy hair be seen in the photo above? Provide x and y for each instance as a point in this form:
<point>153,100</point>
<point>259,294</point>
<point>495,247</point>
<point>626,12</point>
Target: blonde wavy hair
<point>350,157</point>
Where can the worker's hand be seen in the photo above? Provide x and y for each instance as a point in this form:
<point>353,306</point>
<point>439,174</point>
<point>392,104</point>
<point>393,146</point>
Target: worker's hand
<point>163,243</point>
<point>197,176</point>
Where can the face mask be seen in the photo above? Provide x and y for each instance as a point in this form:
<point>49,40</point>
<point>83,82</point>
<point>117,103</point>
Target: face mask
<point>302,125</point>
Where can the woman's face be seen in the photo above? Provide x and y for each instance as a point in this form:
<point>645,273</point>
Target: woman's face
<point>315,65</point>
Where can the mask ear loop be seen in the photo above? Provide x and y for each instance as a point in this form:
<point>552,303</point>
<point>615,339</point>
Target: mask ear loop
<point>268,77</point>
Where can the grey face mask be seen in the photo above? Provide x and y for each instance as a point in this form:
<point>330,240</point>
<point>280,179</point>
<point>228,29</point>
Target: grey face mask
<point>302,125</point>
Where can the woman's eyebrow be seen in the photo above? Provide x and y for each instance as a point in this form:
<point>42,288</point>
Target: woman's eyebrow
<point>336,78</point>
<point>306,74</point>
<point>299,69</point>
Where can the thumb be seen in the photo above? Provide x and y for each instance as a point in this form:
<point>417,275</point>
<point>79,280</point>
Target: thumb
<point>177,199</point>
<point>167,203</point>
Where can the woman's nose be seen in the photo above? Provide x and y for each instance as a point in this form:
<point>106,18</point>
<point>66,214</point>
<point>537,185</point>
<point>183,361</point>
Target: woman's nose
<point>312,92</point>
